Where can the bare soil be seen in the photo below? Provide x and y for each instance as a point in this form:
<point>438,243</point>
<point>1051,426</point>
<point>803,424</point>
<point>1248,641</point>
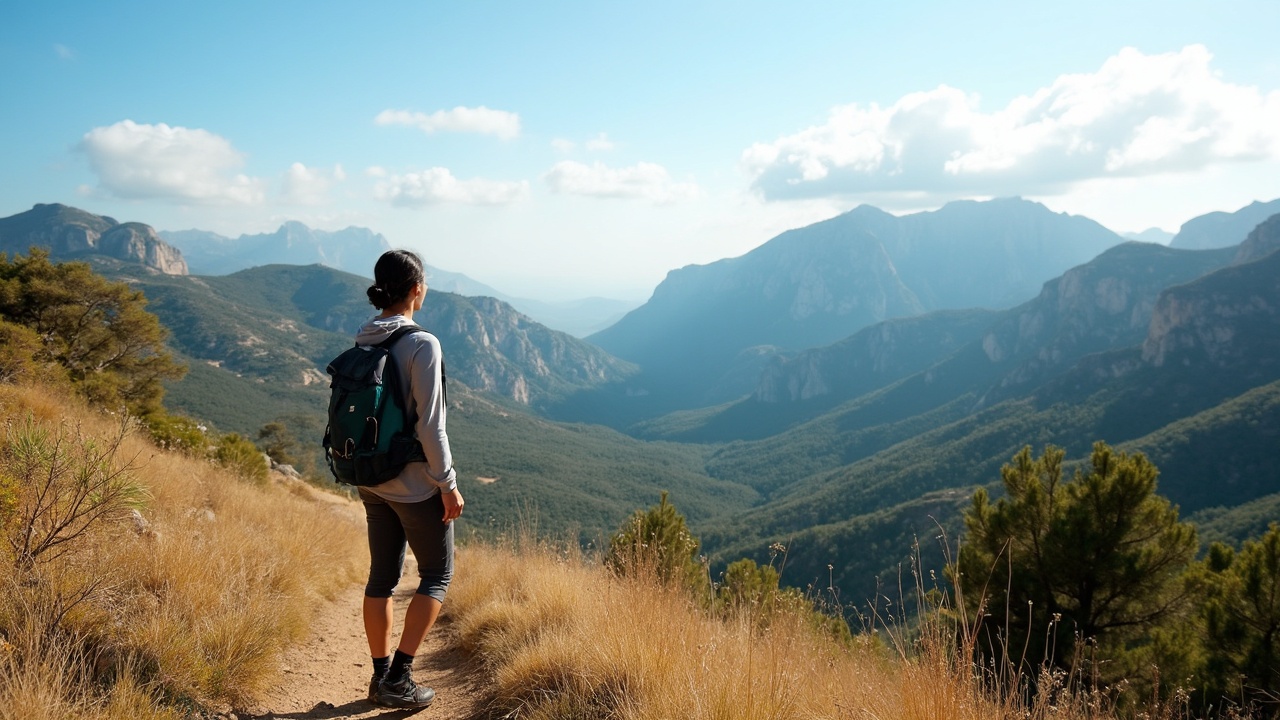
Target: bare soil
<point>327,676</point>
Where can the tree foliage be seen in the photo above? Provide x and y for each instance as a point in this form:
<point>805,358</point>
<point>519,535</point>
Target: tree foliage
<point>1241,621</point>
<point>1097,558</point>
<point>658,540</point>
<point>278,443</point>
<point>99,331</point>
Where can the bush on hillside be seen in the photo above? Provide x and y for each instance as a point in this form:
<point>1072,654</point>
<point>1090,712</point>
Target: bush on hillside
<point>278,443</point>
<point>98,330</point>
<point>239,455</point>
<point>175,432</point>
<point>658,540</point>
<point>59,486</point>
<point>177,610</point>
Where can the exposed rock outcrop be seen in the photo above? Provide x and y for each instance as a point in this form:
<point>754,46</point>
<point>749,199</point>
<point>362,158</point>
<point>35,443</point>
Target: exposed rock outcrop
<point>69,233</point>
<point>1228,320</point>
<point>1262,241</point>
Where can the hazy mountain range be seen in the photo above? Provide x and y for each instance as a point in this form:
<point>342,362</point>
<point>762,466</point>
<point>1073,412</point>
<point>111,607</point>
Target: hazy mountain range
<point>1222,229</point>
<point>815,285</point>
<point>819,391</point>
<point>355,250</point>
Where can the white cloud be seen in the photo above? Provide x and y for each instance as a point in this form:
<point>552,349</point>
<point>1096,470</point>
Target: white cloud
<point>376,171</point>
<point>437,185</point>
<point>1138,115</point>
<point>481,120</point>
<point>642,180</point>
<point>600,143</point>
<point>160,162</point>
<point>64,52</point>
<point>562,146</point>
<point>309,186</point>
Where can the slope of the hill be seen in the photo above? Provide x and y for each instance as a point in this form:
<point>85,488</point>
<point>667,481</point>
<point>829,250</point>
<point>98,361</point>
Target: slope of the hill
<point>255,342</point>
<point>282,324</point>
<point>1260,242</point>
<point>1209,344</point>
<point>1103,304</point>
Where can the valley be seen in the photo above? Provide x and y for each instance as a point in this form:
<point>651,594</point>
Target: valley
<point>841,390</point>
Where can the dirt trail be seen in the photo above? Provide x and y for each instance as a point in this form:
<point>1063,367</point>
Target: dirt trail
<point>327,676</point>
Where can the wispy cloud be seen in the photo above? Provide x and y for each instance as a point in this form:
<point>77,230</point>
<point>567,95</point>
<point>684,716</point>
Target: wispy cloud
<point>437,185</point>
<point>600,143</point>
<point>1138,115</point>
<point>160,162</point>
<point>304,185</point>
<point>64,52</point>
<point>480,120</point>
<point>642,180</point>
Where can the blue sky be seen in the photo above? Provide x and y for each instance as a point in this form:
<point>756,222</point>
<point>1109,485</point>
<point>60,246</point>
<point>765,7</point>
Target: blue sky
<point>561,149</point>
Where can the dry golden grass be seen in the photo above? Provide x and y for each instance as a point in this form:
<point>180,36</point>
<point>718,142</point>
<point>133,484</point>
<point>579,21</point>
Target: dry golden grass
<point>565,638</point>
<point>190,607</point>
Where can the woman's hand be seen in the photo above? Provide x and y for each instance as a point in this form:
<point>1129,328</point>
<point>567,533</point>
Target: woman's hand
<point>452,505</point>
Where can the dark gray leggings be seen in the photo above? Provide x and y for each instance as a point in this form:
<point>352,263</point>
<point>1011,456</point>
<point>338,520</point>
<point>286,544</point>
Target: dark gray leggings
<point>422,525</point>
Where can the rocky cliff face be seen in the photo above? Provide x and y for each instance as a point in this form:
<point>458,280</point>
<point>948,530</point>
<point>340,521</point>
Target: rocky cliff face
<point>1104,304</point>
<point>140,242</point>
<point>1261,242</point>
<point>494,348</point>
<point>1228,320</point>
<point>872,358</point>
<point>68,233</point>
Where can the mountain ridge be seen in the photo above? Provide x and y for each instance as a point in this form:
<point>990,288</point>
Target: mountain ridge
<point>70,233</point>
<point>815,285</point>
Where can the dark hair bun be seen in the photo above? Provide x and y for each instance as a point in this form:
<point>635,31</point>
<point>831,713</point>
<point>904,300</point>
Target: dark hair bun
<point>379,297</point>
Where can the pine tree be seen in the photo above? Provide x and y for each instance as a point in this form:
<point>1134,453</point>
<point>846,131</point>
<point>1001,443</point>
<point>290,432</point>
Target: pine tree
<point>658,540</point>
<point>98,330</point>
<point>1241,621</point>
<point>1096,559</point>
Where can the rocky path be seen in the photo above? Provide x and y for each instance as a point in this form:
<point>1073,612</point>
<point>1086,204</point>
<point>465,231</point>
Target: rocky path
<point>328,676</point>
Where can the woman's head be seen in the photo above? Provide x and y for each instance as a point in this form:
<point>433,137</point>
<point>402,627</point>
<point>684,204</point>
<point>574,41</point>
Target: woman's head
<point>396,276</point>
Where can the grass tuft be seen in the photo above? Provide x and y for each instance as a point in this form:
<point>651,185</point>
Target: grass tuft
<point>173,587</point>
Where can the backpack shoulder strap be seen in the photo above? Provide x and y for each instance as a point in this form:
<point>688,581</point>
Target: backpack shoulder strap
<point>397,334</point>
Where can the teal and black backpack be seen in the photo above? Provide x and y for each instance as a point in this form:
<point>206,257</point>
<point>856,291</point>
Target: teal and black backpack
<point>369,439</point>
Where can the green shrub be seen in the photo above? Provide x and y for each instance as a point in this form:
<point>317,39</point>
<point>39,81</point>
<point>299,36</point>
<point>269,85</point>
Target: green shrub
<point>174,432</point>
<point>657,540</point>
<point>239,455</point>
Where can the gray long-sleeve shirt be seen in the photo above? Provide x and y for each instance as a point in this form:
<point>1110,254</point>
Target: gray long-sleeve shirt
<point>418,359</point>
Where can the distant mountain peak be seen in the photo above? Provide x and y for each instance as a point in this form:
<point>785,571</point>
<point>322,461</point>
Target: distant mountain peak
<point>353,249</point>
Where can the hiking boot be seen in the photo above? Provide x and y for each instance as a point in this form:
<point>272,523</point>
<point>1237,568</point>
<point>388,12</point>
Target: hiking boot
<point>402,693</point>
<point>373,688</point>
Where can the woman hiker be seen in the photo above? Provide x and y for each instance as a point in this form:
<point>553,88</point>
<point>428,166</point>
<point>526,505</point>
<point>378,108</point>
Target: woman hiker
<point>416,507</point>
